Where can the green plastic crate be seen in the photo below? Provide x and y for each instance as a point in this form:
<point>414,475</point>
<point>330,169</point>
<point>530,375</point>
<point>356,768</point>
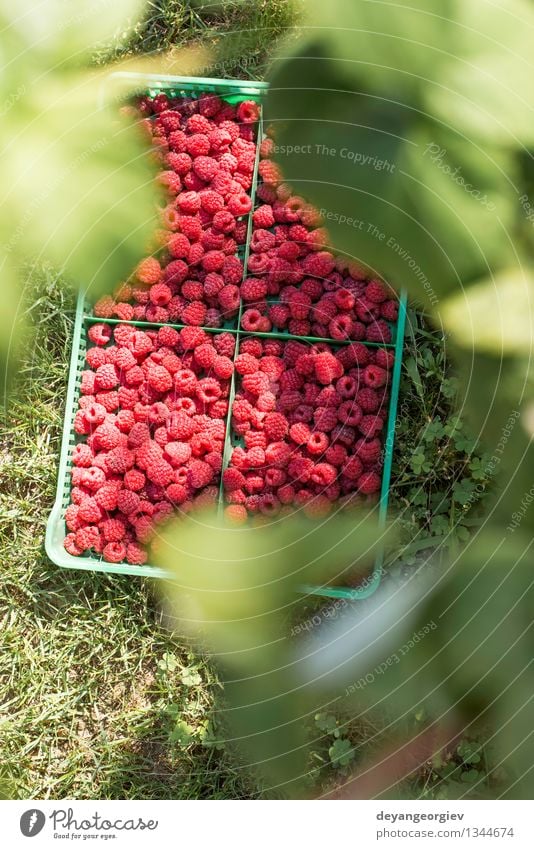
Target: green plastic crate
<point>232,91</point>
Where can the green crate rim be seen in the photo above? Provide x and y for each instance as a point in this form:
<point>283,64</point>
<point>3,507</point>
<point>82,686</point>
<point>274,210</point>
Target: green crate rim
<point>55,528</point>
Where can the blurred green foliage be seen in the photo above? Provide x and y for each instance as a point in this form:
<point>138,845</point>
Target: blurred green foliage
<point>76,186</point>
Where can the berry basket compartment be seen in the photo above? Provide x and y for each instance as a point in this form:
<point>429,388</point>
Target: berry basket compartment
<point>233,91</point>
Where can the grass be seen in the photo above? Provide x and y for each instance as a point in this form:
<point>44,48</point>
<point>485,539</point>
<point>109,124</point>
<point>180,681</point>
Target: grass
<point>100,698</point>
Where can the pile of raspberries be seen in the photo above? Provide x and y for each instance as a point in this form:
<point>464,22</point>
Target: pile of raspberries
<point>206,150</point>
<point>295,283</point>
<point>307,418</point>
<point>310,419</point>
<point>152,409</point>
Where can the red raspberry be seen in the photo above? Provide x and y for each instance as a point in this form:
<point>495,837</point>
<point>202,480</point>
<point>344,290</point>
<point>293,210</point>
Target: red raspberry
<point>114,552</point>
<point>248,111</point>
<point>232,270</point>
<point>319,264</point>
<point>70,546</point>
<point>256,383</point>
<point>263,217</point>
<point>160,472</point>
<point>317,443</point>
<point>253,289</point>
<point>198,144</point>
<point>384,358</point>
<point>134,480</point>
<point>368,400</point>
<point>327,367</point>
<point>239,204</point>
<point>179,246</point>
<point>205,167</point>
<point>197,123</point>
<point>82,455</point>
<point>323,474</point>
<point>269,172</point>
<point>213,261</point>
<point>229,298</point>
<point>224,344</point>
<point>236,514</point>
<point>374,376</point>
<point>368,483</point>
<point>389,310</point>
<point>368,450</point>
<point>149,270</point>
<point>325,418</point>
<point>200,474</point>
<point>350,413</point>
<point>300,433</point>
<point>159,378</point>
<point>233,479</point>
<point>300,468</point>
<point>99,334</point>
<point>171,181</point>
<point>127,501</point>
<point>135,554</point>
<point>189,202</point>
<point>352,467</point>
<point>119,460</point>
<point>278,454</point>
<point>376,291</point>
<point>223,367</point>
<point>88,537</point>
<point>160,294</point>
<point>378,331</point>
<point>194,313</point>
<point>179,162</point>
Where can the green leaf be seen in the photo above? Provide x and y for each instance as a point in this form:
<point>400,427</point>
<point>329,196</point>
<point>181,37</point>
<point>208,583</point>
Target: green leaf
<point>397,192</point>
<point>326,722</point>
<point>341,752</point>
<point>495,314</point>
<point>190,677</point>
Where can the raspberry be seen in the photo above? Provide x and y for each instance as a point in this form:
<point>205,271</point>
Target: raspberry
<point>376,292</point>
<point>223,367</point>
<point>159,378</point>
<point>198,123</point>
<point>148,271</point>
<point>205,167</point>
<point>69,543</point>
<point>374,376</point>
<point>300,433</point>
<point>368,483</point>
<point>127,501</point>
<point>159,471</point>
<point>229,298</point>
<point>255,383</point>
<point>252,320</point>
<point>253,289</point>
<point>194,313</point>
<point>135,554</point>
<point>323,474</point>
<point>200,474</point>
<point>232,270</point>
<point>192,290</point>
<point>325,418</point>
<point>317,443</point>
<point>368,400</point>
<point>82,455</point>
<point>189,202</point>
<point>248,111</point>
<point>119,460</point>
<point>197,144</point>
<point>233,479</point>
<point>384,358</point>
<point>319,264</point>
<point>224,344</point>
<point>369,450</point>
<point>114,552</point>
<point>236,514</point>
<point>389,310</point>
<point>327,367</point>
<point>179,246</point>
<point>378,331</point>
<point>279,315</point>
<point>278,454</point>
<point>99,334</point>
<point>134,480</point>
<point>269,172</point>
<point>213,261</point>
<point>349,413</point>
<point>171,181</point>
<point>239,204</point>
<point>263,217</point>
<point>106,497</point>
